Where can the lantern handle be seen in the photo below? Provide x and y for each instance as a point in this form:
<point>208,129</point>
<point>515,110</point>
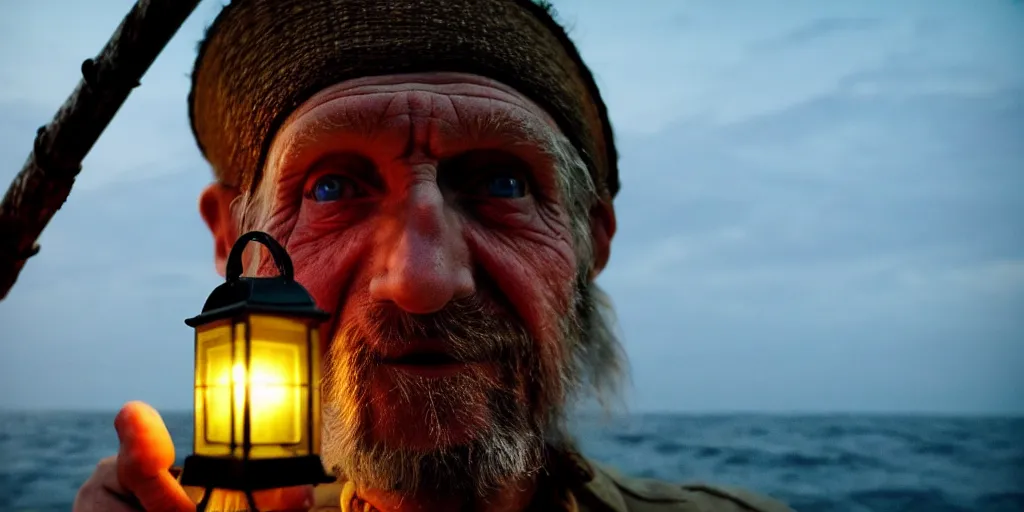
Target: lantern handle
<point>280,255</point>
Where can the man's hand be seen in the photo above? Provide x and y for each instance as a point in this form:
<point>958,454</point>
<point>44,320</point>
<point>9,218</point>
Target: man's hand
<point>138,478</point>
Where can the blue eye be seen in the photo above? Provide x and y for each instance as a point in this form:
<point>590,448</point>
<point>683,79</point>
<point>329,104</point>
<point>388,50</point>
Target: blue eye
<point>506,187</point>
<point>332,187</point>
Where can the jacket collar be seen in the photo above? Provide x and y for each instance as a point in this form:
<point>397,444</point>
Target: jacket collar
<point>591,485</point>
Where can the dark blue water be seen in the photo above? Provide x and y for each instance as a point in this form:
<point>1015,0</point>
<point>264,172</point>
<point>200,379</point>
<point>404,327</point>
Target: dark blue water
<point>815,463</point>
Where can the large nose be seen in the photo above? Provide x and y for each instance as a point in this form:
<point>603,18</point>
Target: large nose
<point>424,254</point>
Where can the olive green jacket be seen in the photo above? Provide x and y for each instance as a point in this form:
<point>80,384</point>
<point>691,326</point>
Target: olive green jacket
<point>601,489</point>
<point>609,491</point>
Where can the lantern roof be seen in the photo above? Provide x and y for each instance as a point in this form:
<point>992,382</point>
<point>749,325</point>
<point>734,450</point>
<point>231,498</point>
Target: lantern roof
<point>280,295</point>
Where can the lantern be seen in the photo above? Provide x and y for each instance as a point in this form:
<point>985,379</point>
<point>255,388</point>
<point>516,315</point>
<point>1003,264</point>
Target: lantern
<point>257,382</point>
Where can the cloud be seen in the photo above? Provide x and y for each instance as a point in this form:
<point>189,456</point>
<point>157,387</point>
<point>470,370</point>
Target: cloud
<point>847,227</point>
<point>917,71</point>
<point>818,29</point>
<point>841,173</point>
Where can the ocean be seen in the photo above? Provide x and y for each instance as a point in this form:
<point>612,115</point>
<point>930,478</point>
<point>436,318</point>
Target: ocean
<point>832,463</point>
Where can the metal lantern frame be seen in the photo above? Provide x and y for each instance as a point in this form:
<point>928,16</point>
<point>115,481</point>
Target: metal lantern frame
<point>235,303</point>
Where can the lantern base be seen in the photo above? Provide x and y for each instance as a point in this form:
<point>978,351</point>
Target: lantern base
<point>252,474</point>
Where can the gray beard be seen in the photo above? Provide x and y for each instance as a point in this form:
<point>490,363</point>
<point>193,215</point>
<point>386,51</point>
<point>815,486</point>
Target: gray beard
<point>518,429</point>
<point>505,451</point>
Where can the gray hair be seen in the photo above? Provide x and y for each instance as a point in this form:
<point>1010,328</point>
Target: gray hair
<point>598,354</point>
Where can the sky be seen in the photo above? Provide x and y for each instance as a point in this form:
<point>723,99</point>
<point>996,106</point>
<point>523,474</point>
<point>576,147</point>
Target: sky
<point>821,208</point>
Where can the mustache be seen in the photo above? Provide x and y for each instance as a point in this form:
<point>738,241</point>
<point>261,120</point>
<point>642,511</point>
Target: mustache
<point>470,329</point>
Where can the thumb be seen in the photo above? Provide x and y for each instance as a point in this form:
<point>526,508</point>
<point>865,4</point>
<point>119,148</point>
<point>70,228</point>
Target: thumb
<point>144,460</point>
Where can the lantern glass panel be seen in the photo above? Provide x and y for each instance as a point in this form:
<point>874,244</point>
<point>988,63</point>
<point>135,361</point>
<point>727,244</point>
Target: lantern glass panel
<point>315,371</point>
<point>215,356</point>
<point>279,386</point>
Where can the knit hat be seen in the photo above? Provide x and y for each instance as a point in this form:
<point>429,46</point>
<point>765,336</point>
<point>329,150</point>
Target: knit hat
<point>261,59</point>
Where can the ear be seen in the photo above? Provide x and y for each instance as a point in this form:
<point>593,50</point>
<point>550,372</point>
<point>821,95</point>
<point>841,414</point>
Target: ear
<point>215,207</point>
<point>602,229</point>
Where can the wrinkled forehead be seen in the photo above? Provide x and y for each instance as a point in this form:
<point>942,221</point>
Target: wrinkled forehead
<point>487,109</point>
<point>450,83</point>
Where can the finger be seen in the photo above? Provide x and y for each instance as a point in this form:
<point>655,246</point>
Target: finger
<point>102,492</point>
<point>144,460</point>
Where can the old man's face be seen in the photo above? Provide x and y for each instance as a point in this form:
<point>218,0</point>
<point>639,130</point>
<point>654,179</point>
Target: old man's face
<point>454,233</point>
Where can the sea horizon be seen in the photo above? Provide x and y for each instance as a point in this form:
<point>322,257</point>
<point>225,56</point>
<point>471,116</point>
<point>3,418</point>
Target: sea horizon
<point>815,461</point>
<point>796,413</point>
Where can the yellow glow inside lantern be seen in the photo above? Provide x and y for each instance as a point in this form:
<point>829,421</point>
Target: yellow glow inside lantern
<point>257,382</point>
<point>264,378</point>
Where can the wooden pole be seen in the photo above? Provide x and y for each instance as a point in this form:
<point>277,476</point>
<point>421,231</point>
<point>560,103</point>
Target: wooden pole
<point>45,181</point>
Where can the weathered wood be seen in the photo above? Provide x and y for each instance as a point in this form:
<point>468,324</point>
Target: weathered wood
<point>45,181</point>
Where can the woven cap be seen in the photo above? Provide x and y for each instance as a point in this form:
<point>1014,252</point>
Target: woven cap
<point>261,59</point>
